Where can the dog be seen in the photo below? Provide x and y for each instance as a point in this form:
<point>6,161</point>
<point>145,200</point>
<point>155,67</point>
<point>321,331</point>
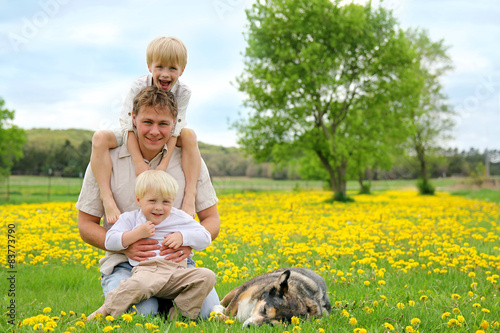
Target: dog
<point>278,296</point>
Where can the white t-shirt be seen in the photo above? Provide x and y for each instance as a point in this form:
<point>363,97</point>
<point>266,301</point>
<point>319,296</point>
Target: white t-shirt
<point>194,234</point>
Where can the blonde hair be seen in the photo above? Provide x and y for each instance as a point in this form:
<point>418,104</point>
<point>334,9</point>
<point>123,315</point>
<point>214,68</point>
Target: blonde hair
<point>155,97</point>
<point>167,50</point>
<point>156,181</point>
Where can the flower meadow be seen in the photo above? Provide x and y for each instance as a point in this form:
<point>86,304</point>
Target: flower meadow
<point>393,262</point>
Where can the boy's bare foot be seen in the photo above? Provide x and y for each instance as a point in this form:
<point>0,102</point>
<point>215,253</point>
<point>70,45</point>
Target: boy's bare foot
<point>188,205</point>
<point>94,314</point>
<point>111,210</point>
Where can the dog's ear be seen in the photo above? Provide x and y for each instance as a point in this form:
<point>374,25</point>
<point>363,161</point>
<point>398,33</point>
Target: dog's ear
<point>283,282</point>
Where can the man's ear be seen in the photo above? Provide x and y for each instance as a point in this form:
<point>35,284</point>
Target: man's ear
<point>133,120</point>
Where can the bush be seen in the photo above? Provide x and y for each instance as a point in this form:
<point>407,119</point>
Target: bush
<point>425,187</point>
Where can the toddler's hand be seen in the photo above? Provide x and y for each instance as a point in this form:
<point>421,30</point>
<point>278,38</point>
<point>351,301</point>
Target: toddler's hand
<point>146,229</point>
<point>173,241</point>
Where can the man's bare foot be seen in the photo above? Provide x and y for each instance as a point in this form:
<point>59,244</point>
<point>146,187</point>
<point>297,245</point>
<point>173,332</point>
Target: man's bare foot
<point>111,210</point>
<point>188,205</point>
<point>94,314</point>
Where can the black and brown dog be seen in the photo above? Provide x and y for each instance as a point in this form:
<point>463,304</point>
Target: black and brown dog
<point>277,296</point>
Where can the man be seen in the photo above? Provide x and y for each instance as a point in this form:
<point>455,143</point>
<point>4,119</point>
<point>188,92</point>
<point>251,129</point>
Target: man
<point>154,114</point>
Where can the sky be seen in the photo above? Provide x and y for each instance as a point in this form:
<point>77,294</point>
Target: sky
<point>69,63</point>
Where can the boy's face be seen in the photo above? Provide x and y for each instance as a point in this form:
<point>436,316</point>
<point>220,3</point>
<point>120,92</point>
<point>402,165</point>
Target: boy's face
<point>165,75</point>
<point>155,207</point>
<point>154,128</point>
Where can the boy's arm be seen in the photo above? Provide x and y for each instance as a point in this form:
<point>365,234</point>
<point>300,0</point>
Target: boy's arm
<point>145,230</point>
<point>135,152</point>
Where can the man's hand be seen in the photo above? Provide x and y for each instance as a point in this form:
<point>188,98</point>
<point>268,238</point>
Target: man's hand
<point>138,251</point>
<point>176,255</point>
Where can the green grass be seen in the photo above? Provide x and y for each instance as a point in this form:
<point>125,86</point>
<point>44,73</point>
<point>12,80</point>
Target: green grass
<point>482,194</point>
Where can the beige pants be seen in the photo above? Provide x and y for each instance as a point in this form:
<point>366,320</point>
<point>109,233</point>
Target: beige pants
<point>187,287</point>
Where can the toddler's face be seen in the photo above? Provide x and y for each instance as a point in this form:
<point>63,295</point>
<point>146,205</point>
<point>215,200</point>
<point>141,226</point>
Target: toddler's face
<point>165,75</point>
<point>155,207</point>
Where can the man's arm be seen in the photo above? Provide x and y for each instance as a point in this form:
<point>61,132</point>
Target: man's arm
<point>209,218</point>
<point>91,230</point>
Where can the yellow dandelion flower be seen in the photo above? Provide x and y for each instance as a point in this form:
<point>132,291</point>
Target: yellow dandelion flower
<point>409,329</point>
<point>400,306</point>
<point>180,324</point>
<point>63,313</point>
<point>109,318</point>
<point>455,297</point>
<point>389,326</point>
<point>461,319</point>
<point>367,283</point>
<point>476,305</point>
<point>80,324</point>
<point>423,298</point>
<point>485,310</point>
<point>455,311</point>
<point>126,317</point>
<point>353,321</point>
<point>296,329</point>
<point>47,310</point>
<point>470,293</point>
<point>453,323</point>
<point>484,324</point>
<point>411,303</point>
<point>107,329</point>
<point>229,322</point>
<point>445,315</point>
<point>295,320</point>
<point>360,330</point>
<point>381,282</point>
<point>472,274</point>
<point>415,321</point>
<point>320,330</point>
<point>479,331</point>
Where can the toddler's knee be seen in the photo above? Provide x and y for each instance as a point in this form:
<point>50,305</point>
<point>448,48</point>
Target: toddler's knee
<point>99,138</point>
<point>208,276</point>
<point>188,137</point>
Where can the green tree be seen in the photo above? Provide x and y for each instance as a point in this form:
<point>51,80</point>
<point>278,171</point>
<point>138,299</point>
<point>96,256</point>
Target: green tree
<point>12,139</point>
<point>431,118</point>
<point>324,78</point>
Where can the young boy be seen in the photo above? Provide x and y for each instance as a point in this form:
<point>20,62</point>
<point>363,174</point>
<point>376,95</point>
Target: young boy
<point>166,58</point>
<point>157,219</point>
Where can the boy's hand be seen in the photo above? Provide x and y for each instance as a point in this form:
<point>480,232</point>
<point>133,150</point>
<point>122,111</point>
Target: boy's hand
<point>173,241</point>
<point>146,229</point>
<point>141,167</point>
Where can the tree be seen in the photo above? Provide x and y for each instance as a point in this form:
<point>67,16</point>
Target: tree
<point>325,79</point>
<point>431,118</point>
<point>12,139</point>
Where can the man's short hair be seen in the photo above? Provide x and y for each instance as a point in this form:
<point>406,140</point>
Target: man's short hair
<point>156,181</point>
<point>167,50</point>
<point>156,98</point>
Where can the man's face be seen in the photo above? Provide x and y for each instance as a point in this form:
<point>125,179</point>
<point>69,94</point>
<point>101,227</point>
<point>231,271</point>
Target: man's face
<point>155,207</point>
<point>165,75</point>
<point>154,128</point>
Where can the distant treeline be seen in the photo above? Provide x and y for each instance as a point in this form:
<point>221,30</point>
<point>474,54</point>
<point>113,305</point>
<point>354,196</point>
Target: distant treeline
<point>67,153</point>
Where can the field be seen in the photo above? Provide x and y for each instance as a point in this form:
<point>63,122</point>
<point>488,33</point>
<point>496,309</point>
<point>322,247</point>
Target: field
<point>393,261</point>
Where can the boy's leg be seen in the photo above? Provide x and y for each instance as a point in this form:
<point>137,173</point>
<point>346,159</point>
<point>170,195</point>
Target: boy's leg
<point>101,164</point>
<point>191,165</point>
<point>189,288</point>
<point>210,301</point>
<point>122,272</point>
<point>145,282</point>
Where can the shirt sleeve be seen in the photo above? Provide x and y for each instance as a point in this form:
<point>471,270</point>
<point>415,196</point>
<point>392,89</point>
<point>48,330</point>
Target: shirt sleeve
<point>126,222</point>
<point>89,200</point>
<point>193,233</point>
<point>183,96</point>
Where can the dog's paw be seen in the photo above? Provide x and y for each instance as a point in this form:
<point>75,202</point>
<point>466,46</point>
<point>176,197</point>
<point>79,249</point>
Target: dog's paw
<point>218,313</point>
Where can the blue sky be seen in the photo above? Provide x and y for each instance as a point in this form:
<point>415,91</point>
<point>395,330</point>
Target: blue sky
<point>69,63</point>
